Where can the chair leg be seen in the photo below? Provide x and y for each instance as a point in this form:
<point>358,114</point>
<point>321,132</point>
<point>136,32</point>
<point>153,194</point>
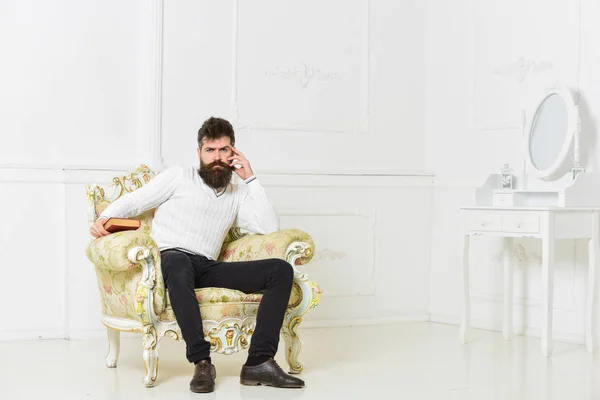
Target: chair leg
<point>292,344</point>
<point>150,355</point>
<point>114,345</point>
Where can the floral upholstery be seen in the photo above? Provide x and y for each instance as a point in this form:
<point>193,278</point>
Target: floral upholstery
<point>258,247</point>
<point>118,277</point>
<point>219,311</point>
<point>133,294</point>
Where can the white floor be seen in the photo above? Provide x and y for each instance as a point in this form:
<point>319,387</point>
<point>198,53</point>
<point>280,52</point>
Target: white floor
<point>404,361</point>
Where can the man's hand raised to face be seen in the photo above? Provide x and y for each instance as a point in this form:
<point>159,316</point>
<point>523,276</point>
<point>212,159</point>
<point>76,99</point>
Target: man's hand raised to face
<point>244,171</point>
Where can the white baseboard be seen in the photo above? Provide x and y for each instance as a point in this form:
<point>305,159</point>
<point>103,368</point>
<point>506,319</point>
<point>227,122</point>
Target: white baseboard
<point>80,334</point>
<point>364,321</point>
<point>94,334</point>
<point>11,336</point>
<point>565,337</point>
<point>445,319</point>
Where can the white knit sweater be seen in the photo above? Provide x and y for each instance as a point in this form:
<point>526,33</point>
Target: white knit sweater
<point>192,216</point>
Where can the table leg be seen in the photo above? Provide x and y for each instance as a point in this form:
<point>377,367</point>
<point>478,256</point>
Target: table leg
<point>548,287</point>
<point>507,326</point>
<point>466,315</point>
<point>591,293</point>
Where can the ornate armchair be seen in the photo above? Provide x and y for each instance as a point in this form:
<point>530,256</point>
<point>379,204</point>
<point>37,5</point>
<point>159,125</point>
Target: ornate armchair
<point>134,297</point>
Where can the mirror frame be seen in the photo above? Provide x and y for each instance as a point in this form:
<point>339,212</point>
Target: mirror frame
<point>572,117</point>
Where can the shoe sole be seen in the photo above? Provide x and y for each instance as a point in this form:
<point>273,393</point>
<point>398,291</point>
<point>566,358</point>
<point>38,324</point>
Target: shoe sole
<point>203,390</point>
<point>248,382</point>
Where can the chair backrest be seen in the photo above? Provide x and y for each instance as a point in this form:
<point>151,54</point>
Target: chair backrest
<point>99,198</point>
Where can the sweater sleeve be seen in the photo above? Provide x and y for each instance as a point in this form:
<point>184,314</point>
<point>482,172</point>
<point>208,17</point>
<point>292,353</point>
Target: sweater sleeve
<point>256,212</point>
<point>149,196</point>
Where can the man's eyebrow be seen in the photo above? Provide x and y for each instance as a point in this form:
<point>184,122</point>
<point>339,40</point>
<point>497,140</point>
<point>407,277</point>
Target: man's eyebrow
<point>212,148</point>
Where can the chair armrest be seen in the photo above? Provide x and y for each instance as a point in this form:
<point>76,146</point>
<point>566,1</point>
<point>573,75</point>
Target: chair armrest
<point>122,251</point>
<point>293,245</point>
<point>111,252</point>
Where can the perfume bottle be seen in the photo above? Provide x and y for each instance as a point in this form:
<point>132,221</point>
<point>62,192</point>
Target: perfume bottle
<point>506,177</point>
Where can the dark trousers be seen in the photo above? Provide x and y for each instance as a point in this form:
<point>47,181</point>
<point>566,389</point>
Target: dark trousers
<point>183,272</point>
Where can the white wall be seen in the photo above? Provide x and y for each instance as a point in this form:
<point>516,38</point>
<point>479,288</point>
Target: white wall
<point>74,79</point>
<point>473,129</point>
<point>343,95</point>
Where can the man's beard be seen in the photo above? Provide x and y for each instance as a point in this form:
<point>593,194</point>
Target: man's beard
<point>216,178</point>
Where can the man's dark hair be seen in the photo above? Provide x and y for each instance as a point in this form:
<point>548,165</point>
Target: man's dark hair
<point>215,128</point>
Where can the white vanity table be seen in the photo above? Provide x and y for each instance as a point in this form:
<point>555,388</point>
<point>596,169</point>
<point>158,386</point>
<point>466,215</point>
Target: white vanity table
<point>538,204</point>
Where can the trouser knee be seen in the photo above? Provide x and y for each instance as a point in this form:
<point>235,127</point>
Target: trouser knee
<point>282,270</point>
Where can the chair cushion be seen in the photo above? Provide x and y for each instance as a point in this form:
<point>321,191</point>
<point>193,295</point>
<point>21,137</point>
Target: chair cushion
<point>218,303</point>
<point>220,295</point>
<point>218,311</point>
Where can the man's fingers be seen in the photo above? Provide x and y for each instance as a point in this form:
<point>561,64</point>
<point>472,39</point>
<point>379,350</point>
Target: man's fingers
<point>101,229</point>
<point>98,229</point>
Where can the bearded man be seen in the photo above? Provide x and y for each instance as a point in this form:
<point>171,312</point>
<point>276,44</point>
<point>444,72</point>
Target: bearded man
<point>195,208</point>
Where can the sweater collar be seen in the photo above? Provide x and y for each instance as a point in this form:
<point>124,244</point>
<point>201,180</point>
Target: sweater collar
<point>219,194</point>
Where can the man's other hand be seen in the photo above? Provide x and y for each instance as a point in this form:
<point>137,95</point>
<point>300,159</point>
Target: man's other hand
<point>97,230</point>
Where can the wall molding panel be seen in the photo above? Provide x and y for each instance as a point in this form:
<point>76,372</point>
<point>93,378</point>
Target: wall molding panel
<point>366,286</point>
<point>505,68</point>
<point>305,74</point>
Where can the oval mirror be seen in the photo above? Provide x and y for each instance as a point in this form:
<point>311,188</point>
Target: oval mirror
<point>549,130</point>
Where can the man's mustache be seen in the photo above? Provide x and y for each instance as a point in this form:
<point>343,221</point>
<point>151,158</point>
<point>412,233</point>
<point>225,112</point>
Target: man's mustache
<point>217,163</point>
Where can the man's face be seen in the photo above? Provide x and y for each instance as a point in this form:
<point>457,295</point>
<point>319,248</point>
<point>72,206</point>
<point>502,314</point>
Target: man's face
<point>213,150</point>
<point>214,166</point>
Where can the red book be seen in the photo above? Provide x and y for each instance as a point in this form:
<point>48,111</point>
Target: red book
<point>121,224</point>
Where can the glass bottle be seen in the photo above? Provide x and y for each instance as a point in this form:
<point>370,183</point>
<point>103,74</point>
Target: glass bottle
<point>506,177</point>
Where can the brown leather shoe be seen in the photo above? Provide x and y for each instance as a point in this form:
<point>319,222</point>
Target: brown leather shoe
<point>268,373</point>
<point>204,377</point>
